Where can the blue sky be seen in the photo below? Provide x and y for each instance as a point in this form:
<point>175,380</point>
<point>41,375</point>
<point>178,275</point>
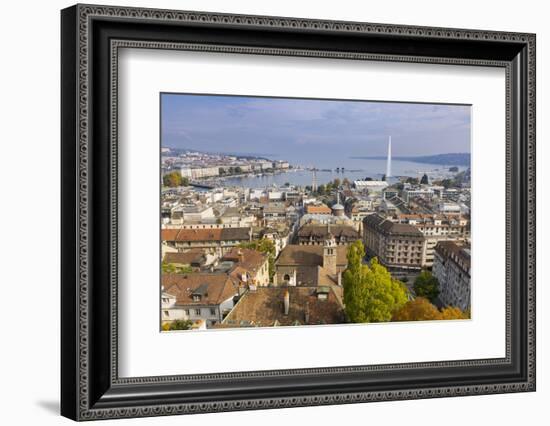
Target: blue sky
<point>301,128</point>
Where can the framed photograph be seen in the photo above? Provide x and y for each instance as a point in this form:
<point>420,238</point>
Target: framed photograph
<point>265,212</point>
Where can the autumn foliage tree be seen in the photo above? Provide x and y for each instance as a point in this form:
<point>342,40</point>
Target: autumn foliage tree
<point>174,179</point>
<point>453,313</point>
<point>420,309</point>
<point>370,293</point>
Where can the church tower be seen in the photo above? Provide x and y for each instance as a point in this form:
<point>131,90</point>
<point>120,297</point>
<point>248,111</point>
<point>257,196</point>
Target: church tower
<point>329,254</point>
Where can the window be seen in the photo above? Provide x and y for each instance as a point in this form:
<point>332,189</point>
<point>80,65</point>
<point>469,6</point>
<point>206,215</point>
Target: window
<point>212,311</point>
<point>196,298</point>
<point>187,312</point>
<point>167,313</point>
<point>197,311</point>
<point>286,277</point>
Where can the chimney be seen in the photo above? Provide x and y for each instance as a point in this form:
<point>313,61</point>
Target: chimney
<point>286,302</point>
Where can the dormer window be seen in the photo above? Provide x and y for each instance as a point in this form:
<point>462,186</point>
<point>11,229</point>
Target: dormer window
<point>196,298</point>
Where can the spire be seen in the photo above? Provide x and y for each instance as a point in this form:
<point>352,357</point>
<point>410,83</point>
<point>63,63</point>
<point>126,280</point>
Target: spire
<point>388,165</point>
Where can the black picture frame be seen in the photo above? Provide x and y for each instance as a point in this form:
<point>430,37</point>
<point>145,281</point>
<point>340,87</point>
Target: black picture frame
<point>90,386</point>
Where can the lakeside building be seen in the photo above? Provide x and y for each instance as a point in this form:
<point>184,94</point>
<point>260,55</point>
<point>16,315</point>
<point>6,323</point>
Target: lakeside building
<point>397,245</point>
<point>199,172</point>
<point>371,186</point>
<point>452,269</point>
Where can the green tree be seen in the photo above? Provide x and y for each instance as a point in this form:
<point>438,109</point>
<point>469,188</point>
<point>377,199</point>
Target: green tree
<point>336,183</point>
<point>172,179</point>
<point>181,325</point>
<point>263,246</point>
<point>238,169</point>
<point>370,293</point>
<point>447,183</point>
<point>426,285</point>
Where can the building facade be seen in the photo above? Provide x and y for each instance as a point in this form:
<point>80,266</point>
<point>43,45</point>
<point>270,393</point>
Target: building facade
<point>311,265</point>
<point>452,269</point>
<point>218,241</point>
<point>198,296</point>
<point>311,234</point>
<point>397,245</point>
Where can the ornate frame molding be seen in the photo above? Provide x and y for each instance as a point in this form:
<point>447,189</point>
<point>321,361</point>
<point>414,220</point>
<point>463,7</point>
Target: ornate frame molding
<point>80,19</point>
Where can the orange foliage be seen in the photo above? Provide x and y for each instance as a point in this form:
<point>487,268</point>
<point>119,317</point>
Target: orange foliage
<point>420,309</point>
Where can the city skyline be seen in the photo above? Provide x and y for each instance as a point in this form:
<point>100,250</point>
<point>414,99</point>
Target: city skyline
<point>301,126</point>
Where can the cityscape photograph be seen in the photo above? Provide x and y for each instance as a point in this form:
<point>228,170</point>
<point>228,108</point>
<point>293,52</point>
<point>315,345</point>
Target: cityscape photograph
<point>278,212</point>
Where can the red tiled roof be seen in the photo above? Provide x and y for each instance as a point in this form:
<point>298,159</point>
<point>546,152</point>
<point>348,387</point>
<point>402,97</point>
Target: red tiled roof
<point>318,209</point>
<point>216,234</point>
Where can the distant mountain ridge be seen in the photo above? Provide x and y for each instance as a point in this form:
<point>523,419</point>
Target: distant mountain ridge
<point>451,159</point>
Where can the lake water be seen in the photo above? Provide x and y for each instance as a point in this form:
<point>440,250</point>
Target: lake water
<point>355,169</point>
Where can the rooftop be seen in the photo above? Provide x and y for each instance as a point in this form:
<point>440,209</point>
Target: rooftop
<point>323,231</point>
<point>213,289</point>
<point>217,234</point>
<point>248,259</point>
<point>265,307</point>
<point>381,224</point>
<point>310,255</point>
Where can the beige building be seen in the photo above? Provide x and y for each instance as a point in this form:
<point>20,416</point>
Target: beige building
<point>311,265</point>
<point>199,172</point>
<point>312,234</point>
<point>218,241</point>
<point>397,245</point>
<point>251,266</point>
<point>436,228</point>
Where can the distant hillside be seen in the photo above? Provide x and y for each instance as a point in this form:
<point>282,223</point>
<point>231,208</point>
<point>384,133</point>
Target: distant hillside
<point>453,159</point>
